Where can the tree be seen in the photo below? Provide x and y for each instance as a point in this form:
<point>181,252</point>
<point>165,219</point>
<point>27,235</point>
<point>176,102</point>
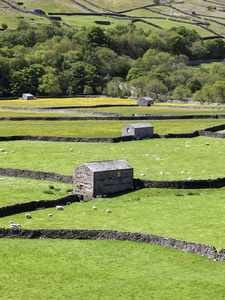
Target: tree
<point>96,37</point>
<point>4,26</point>
<point>160,73</point>
<point>117,88</point>
<point>193,84</point>
<point>181,92</point>
<point>156,89</point>
<point>49,85</point>
<point>134,73</point>
<point>214,48</point>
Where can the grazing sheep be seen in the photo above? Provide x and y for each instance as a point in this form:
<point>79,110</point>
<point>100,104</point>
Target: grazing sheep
<point>147,155</point>
<point>207,144</point>
<point>123,149</point>
<point>167,172</point>
<point>78,152</point>
<point>13,226</point>
<point>188,146</point>
<point>13,151</point>
<point>18,225</point>
<point>147,169</point>
<point>71,150</point>
<point>27,216</point>
<point>188,173</point>
<point>11,222</point>
<point>2,150</point>
<point>158,158</point>
<point>190,179</point>
<point>203,171</point>
<point>177,149</point>
<point>142,174</point>
<point>182,172</point>
<point>161,173</point>
<point>108,211</point>
<point>59,207</point>
<point>94,208</point>
<point>187,142</point>
<point>50,215</point>
<point>6,152</point>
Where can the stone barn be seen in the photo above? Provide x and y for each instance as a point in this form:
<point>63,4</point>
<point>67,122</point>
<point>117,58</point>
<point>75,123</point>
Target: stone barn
<point>102,177</point>
<point>145,101</point>
<point>138,130</point>
<point>28,97</point>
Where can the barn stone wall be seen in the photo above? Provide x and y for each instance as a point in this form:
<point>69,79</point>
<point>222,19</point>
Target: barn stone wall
<point>114,181</point>
<point>83,181</point>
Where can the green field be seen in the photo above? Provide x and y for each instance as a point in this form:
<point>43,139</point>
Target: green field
<point>99,128</point>
<point>74,269</point>
<point>105,270</point>
<point>199,160</point>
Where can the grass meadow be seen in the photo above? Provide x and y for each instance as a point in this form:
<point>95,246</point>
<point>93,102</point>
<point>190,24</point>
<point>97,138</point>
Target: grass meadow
<point>75,269</point>
<point>198,161</point>
<point>98,128</point>
<point>68,269</point>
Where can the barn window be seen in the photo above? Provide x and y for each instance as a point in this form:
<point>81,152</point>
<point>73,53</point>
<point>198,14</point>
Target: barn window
<point>128,129</point>
<point>81,187</point>
<point>118,173</point>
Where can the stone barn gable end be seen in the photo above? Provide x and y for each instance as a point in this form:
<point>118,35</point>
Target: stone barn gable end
<point>102,177</point>
<point>138,130</point>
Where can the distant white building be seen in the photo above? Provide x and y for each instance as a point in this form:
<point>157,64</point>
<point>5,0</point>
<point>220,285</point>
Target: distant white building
<point>138,130</point>
<point>145,101</point>
<point>28,97</point>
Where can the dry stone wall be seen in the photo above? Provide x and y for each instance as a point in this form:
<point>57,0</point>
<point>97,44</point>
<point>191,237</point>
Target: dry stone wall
<point>187,246</point>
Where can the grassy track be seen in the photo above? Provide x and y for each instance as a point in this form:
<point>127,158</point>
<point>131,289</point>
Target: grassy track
<point>201,161</point>
<point>105,270</point>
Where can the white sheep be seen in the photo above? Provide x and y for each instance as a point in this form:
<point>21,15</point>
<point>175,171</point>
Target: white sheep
<point>59,207</point>
<point>123,149</point>
<point>203,171</point>
<point>188,146</point>
<point>6,153</point>
<point>207,144</point>
<point>108,211</point>
<point>147,169</point>
<point>50,215</point>
<point>78,152</point>
<point>161,173</point>
<point>142,174</point>
<point>71,150</point>
<point>94,208</point>
<point>27,216</point>
<point>13,226</point>
<point>147,155</point>
<point>2,150</point>
<point>13,151</point>
<point>190,179</point>
<point>182,172</point>
<point>177,149</point>
<point>11,222</point>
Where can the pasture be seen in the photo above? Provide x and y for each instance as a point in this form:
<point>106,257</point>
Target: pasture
<point>75,269</point>
<point>198,161</point>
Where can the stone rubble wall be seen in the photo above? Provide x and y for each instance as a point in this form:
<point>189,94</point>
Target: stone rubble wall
<point>35,205</point>
<point>187,246</point>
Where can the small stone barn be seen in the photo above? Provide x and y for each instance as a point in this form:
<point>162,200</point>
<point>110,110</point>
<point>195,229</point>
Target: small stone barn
<point>138,130</point>
<point>28,97</point>
<point>145,101</point>
<point>102,177</point>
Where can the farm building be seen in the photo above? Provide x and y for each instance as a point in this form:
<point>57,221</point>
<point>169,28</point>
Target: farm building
<point>145,101</point>
<point>138,130</point>
<point>102,177</point>
<point>28,97</point>
<point>36,11</point>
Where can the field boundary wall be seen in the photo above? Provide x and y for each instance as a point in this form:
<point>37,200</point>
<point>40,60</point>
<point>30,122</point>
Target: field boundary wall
<point>114,235</point>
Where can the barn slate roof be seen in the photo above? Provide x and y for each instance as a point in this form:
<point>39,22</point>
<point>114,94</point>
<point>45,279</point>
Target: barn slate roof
<point>139,125</point>
<point>108,165</point>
